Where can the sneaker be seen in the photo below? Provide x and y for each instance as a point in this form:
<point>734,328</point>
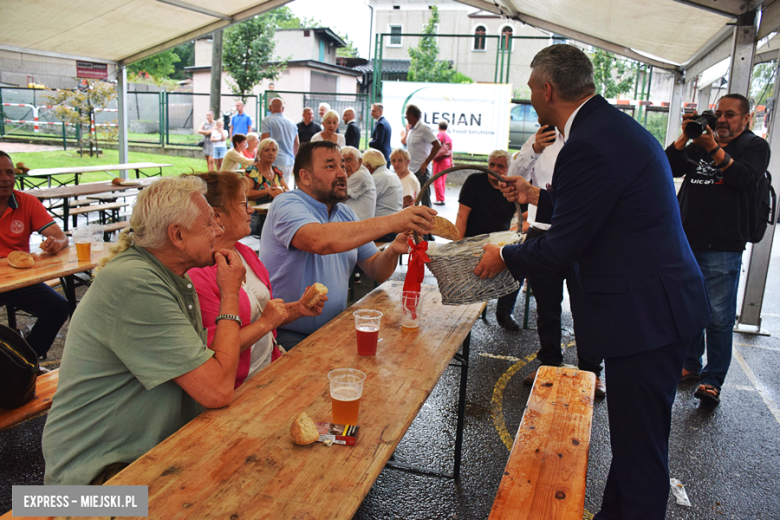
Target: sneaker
<point>506,321</point>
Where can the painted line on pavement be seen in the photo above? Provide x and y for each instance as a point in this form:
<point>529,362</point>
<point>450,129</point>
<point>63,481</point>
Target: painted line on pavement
<point>762,391</point>
<point>775,349</point>
<point>494,356</point>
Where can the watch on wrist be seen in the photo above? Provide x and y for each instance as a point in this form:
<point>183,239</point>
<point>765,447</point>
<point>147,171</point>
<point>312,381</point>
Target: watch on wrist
<point>231,317</point>
<point>726,161</point>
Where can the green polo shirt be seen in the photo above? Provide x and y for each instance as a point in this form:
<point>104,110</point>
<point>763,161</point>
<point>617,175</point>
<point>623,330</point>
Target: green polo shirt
<point>137,328</point>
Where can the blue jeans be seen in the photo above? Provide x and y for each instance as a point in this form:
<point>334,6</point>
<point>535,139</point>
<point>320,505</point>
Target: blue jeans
<point>51,309</point>
<point>721,277</point>
<point>288,339</point>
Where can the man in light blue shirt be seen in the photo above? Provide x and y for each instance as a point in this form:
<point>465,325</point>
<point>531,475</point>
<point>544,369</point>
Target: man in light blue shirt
<point>241,123</point>
<point>310,237</point>
<point>284,131</point>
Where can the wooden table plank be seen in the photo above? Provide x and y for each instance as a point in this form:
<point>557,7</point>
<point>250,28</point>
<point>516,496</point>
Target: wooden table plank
<point>43,172</point>
<point>262,209</point>
<point>546,473</point>
<point>87,189</point>
<point>47,267</point>
<point>240,460</point>
<point>45,386</point>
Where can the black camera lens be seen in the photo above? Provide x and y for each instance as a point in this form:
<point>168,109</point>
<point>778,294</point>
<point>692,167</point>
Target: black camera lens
<point>696,127</point>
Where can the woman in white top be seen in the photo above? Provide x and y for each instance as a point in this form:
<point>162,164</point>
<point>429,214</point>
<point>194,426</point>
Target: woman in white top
<point>400,160</point>
<point>219,139</point>
<point>208,146</point>
<point>330,122</point>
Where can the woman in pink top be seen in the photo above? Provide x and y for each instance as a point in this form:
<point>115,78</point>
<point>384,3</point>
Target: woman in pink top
<point>441,162</point>
<point>260,314</point>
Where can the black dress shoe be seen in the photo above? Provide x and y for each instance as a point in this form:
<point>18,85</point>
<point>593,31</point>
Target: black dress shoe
<point>506,321</point>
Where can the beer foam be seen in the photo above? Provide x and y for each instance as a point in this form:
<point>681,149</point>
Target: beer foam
<point>345,394</point>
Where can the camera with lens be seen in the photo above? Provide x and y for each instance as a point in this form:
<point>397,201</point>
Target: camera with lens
<point>696,127</point>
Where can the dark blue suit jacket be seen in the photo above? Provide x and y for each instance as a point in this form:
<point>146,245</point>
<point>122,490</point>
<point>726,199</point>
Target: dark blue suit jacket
<point>615,219</point>
<point>380,137</point>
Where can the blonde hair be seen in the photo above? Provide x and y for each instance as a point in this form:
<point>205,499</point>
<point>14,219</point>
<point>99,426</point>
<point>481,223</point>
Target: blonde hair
<point>264,144</point>
<point>401,151</point>
<point>331,113</point>
<point>374,158</point>
<point>165,202</point>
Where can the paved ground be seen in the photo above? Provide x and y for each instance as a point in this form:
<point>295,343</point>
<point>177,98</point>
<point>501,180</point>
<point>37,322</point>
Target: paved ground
<point>12,148</point>
<point>727,457</point>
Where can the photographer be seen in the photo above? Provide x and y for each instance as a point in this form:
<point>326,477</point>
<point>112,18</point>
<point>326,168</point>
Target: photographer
<point>721,170</point>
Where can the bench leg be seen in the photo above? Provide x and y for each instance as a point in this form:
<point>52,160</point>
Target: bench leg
<point>69,288</point>
<point>527,304</point>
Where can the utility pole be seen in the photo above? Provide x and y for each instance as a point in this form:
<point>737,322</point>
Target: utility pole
<point>216,74</point>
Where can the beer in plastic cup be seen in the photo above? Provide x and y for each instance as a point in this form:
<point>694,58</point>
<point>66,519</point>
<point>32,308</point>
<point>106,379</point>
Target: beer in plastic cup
<point>411,310</point>
<point>367,325</point>
<point>83,240</point>
<point>346,389</point>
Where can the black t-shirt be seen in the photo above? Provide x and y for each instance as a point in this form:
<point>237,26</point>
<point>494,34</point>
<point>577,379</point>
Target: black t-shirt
<point>490,211</point>
<point>306,132</point>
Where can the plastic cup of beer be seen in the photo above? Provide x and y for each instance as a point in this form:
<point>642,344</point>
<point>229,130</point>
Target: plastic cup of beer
<point>411,310</point>
<point>346,389</point>
<point>83,240</point>
<point>97,230</point>
<point>367,325</point>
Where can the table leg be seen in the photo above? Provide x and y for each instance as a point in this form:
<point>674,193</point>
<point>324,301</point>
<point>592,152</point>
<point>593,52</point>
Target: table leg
<point>462,363</point>
<point>69,288</point>
<point>66,212</point>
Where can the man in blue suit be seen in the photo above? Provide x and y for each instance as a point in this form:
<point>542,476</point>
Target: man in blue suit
<point>380,136</point>
<point>637,294</point>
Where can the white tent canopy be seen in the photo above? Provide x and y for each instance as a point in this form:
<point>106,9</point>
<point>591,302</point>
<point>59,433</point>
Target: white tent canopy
<point>665,33</point>
<point>116,31</point>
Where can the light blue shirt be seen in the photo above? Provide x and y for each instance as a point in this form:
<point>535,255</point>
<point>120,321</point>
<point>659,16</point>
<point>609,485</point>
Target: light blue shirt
<point>389,192</point>
<point>285,132</point>
<point>292,270</point>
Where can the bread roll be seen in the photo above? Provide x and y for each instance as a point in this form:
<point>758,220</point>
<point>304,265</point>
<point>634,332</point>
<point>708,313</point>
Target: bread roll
<point>117,181</point>
<point>21,260</point>
<point>445,229</point>
<point>313,295</point>
<point>303,430</point>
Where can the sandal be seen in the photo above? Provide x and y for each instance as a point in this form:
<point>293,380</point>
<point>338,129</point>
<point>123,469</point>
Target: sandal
<point>708,394</point>
<point>687,375</point>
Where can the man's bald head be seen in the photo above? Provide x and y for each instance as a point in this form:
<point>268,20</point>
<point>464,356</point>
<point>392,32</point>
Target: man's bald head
<point>277,106</point>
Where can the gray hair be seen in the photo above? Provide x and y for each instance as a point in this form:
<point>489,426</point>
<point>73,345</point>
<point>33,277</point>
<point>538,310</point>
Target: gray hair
<point>374,158</point>
<point>352,152</point>
<point>348,109</point>
<point>379,106</point>
<point>252,136</point>
<point>165,202</point>
<point>329,114</point>
<point>567,69</point>
<point>496,154</point>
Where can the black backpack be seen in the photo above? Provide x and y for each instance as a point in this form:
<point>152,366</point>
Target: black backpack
<point>762,208</point>
<point>18,369</point>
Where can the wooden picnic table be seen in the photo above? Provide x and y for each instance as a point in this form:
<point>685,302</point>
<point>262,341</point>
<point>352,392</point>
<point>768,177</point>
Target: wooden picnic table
<point>262,209</point>
<point>65,193</point>
<point>45,175</point>
<point>240,461</point>
<point>64,265</point>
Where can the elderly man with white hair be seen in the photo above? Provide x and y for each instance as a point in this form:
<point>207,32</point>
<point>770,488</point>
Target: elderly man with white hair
<point>352,135</point>
<point>361,190</point>
<point>389,191</point>
<point>136,366</point>
<point>483,209</point>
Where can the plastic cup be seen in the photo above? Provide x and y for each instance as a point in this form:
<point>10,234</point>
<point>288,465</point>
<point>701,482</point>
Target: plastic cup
<point>367,325</point>
<point>411,310</point>
<point>346,389</point>
<point>83,240</point>
<point>97,231</point>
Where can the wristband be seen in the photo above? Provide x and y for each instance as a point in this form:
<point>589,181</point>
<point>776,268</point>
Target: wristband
<point>231,317</point>
<point>713,152</point>
<point>725,162</point>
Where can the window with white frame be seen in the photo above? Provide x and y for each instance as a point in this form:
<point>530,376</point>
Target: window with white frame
<point>479,38</point>
<point>395,35</point>
<point>506,38</point>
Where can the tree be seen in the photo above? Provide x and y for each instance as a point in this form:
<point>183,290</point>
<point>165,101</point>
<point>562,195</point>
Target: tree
<point>159,66</point>
<point>424,67</point>
<point>612,76</point>
<point>349,51</point>
<point>186,54</point>
<point>78,107</point>
<point>762,82</point>
<point>248,54</point>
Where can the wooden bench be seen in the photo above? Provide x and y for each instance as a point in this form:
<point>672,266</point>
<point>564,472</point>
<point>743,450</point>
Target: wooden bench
<point>45,386</point>
<point>109,228</point>
<point>545,474</point>
<point>104,210</point>
<point>112,197</point>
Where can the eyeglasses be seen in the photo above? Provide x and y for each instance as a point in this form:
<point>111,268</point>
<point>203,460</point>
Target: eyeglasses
<point>728,115</point>
<point>244,204</point>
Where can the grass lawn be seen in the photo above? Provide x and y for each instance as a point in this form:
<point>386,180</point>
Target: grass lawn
<point>66,159</point>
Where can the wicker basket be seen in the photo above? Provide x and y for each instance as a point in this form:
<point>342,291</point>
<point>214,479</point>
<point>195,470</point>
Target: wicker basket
<point>455,273</point>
